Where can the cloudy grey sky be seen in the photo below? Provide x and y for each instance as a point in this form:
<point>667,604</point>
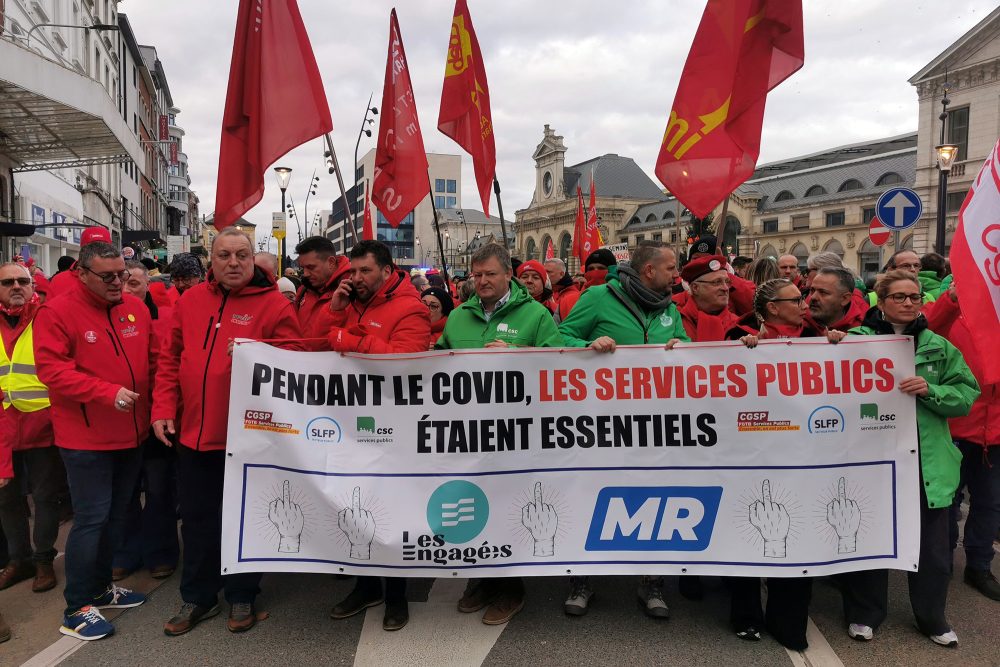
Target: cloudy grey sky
<point>602,74</point>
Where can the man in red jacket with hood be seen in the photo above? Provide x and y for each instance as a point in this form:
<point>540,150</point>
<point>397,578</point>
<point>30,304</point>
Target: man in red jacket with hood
<point>322,271</point>
<point>237,301</point>
<point>377,311</point>
<point>95,351</point>
<point>832,302</point>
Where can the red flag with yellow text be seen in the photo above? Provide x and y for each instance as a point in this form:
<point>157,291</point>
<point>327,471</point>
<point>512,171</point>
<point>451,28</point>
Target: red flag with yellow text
<point>465,101</point>
<point>742,50</point>
<point>401,179</point>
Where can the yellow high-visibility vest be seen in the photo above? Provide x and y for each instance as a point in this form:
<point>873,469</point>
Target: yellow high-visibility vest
<point>18,376</point>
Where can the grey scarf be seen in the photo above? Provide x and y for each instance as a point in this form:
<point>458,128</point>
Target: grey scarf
<point>647,299</point>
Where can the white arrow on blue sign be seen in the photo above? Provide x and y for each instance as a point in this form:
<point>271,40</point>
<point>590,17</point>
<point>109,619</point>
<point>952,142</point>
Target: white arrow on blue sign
<point>899,208</point>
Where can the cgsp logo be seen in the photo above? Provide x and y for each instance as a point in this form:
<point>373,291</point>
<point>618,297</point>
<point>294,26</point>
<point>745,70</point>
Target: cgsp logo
<point>826,419</point>
<point>457,511</point>
<point>324,429</point>
<point>654,518</point>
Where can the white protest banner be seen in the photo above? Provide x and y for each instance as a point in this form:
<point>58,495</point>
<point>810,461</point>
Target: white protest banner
<point>620,251</point>
<point>797,457</point>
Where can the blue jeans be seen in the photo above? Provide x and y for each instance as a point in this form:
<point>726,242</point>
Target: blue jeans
<point>151,526</point>
<point>101,483</point>
<point>981,477</point>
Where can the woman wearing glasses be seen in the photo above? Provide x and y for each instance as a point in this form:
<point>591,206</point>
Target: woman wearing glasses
<point>943,387</point>
<point>439,304</point>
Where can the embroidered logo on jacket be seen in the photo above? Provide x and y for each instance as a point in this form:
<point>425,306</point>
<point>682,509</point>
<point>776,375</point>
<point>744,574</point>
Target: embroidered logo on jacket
<point>242,320</point>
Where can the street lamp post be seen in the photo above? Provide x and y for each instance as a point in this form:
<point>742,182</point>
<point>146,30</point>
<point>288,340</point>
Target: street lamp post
<point>284,174</point>
<point>946,154</point>
<point>100,27</point>
<point>366,131</point>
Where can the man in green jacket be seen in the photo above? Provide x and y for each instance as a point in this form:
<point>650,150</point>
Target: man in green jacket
<point>634,307</point>
<point>500,314</point>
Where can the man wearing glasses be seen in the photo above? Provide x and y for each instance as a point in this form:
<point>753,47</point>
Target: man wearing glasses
<point>94,349</point>
<point>705,313</point>
<point>65,281</point>
<point>186,271</point>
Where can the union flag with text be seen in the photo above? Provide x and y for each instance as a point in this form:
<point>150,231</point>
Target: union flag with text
<point>742,50</point>
<point>465,101</point>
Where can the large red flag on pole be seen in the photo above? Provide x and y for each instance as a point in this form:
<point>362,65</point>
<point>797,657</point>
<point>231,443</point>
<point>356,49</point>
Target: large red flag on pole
<point>593,231</point>
<point>580,231</point>
<point>742,50</point>
<point>368,231</point>
<point>975,261</point>
<point>275,102</point>
<point>401,179</point>
<point>550,251</point>
<point>465,101</point>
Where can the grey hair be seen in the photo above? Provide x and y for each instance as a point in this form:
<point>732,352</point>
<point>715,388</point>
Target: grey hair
<point>136,264</point>
<point>766,293</point>
<point>844,277</point>
<point>824,260</point>
<point>492,250</point>
<point>556,260</point>
<point>92,251</point>
<point>231,231</point>
<point>4,265</point>
<point>466,290</point>
<point>646,252</point>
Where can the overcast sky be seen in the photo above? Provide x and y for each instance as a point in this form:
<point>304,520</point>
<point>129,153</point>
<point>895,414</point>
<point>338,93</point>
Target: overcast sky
<point>602,74</point>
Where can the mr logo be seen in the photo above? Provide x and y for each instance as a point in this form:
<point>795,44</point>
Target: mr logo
<point>323,429</point>
<point>826,419</point>
<point>654,518</point>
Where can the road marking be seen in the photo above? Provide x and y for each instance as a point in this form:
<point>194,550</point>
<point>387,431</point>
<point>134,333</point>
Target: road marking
<point>819,653</point>
<point>56,652</point>
<point>437,633</point>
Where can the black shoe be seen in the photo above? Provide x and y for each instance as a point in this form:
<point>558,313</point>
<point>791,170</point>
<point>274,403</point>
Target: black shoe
<point>355,603</point>
<point>984,582</point>
<point>747,632</point>
<point>397,615</point>
<point>690,587</point>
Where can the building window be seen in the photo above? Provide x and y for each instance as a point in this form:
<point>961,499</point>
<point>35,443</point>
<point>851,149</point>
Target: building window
<point>673,237</point>
<point>359,174</point>
<point>867,215</point>
<point>452,202</point>
<point>892,178</point>
<point>651,217</point>
<point>850,184</point>
<point>955,201</point>
<point>639,238</point>
<point>784,195</point>
<point>958,131</point>
<point>452,186</point>
<point>770,226</point>
<point>439,201</point>
<point>438,185</point>
<point>835,219</point>
<point>800,222</point>
<point>815,191</point>
<point>658,237</point>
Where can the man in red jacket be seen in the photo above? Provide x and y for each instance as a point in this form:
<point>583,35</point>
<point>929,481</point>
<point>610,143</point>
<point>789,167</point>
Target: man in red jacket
<point>705,312</point>
<point>322,271</point>
<point>237,301</point>
<point>65,281</point>
<point>94,348</point>
<point>26,428</point>
<point>377,311</point>
<point>832,302</point>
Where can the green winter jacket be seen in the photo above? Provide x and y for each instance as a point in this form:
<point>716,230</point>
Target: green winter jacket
<point>606,310</point>
<point>953,390</point>
<point>521,322</point>
<point>930,283</point>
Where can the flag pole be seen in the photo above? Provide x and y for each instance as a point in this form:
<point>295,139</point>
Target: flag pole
<point>348,217</point>
<point>437,233</point>
<point>503,223</point>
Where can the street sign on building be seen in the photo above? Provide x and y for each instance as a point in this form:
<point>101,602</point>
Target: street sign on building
<point>878,233</point>
<point>899,208</point>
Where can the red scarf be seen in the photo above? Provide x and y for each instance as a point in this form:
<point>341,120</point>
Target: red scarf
<point>595,277</point>
<point>15,311</point>
<point>773,330</point>
<point>704,327</point>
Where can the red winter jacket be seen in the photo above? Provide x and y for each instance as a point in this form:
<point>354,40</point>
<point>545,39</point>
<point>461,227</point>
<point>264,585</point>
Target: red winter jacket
<point>315,317</point>
<point>86,350</point>
<point>854,316</point>
<point>22,430</point>
<point>437,329</point>
<point>62,283</point>
<point>982,424</point>
<point>195,366</point>
<point>393,321</point>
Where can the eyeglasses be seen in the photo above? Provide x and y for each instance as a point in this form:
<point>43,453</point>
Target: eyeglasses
<point>798,299</point>
<point>719,282</point>
<point>108,278</point>
<point>432,306</point>
<point>900,297</point>
<point>914,267</point>
<point>9,282</point>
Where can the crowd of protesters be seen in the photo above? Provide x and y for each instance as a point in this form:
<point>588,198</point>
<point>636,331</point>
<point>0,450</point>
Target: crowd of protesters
<point>115,385</point>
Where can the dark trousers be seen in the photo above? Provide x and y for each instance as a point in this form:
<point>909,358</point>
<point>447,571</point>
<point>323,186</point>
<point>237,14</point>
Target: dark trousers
<point>981,478</point>
<point>395,588</point>
<point>787,613</point>
<point>200,477</point>
<point>866,594</point>
<point>512,586</point>
<point>44,474</point>
<point>151,525</point>
<point>101,485</point>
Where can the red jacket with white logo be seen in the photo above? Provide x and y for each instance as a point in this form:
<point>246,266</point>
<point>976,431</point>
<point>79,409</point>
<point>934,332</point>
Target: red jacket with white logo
<point>86,349</point>
<point>315,318</point>
<point>195,366</point>
<point>393,321</point>
<point>22,430</point>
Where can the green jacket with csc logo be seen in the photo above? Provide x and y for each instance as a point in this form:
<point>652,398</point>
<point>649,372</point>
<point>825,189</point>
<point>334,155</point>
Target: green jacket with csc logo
<point>521,322</point>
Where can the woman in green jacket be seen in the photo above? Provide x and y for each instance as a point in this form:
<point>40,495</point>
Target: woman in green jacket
<point>944,387</point>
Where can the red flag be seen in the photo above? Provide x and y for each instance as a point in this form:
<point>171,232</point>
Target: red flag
<point>550,252</point>
<point>593,231</point>
<point>275,102</point>
<point>368,231</point>
<point>742,50</point>
<point>401,180</point>
<point>975,261</point>
<point>580,230</point>
<point>465,101</point>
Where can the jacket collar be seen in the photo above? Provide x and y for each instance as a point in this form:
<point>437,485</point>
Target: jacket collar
<point>259,282</point>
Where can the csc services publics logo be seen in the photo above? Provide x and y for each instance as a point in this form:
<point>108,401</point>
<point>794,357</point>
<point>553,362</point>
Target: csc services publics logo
<point>458,511</point>
<point>324,429</point>
<point>826,419</point>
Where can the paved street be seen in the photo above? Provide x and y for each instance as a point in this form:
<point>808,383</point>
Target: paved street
<point>298,631</point>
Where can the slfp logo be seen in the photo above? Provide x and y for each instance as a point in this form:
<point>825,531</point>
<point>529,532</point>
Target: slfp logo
<point>654,518</point>
<point>826,419</point>
<point>323,429</point>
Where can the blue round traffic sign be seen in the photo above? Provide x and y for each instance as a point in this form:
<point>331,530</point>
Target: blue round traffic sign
<point>899,208</point>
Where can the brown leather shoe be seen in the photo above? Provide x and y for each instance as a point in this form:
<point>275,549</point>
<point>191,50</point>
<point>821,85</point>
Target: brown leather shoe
<point>119,573</point>
<point>477,595</point>
<point>189,616</point>
<point>504,608</point>
<point>161,571</point>
<point>16,570</point>
<point>4,630</point>
<point>45,578</point>
<point>242,617</point>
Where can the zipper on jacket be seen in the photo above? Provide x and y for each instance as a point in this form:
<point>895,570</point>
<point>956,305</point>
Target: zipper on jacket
<point>208,363</point>
<point>628,307</point>
<point>111,335</point>
<point>86,420</point>
<point>131,373</point>
<point>208,331</point>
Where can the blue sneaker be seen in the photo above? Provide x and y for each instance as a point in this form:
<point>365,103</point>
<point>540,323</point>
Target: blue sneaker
<point>117,597</point>
<point>86,624</point>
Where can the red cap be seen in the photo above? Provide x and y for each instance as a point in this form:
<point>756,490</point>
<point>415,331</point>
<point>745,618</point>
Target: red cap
<point>696,268</point>
<point>93,234</point>
<point>533,265</point>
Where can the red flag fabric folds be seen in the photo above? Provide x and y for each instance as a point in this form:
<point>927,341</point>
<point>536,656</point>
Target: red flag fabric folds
<point>550,251</point>
<point>275,102</point>
<point>401,179</point>
<point>742,50</point>
<point>368,231</point>
<point>465,101</point>
<point>580,230</point>
<point>593,231</point>
<point>975,261</point>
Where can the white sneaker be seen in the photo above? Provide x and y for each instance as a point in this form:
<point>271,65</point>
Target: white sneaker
<point>949,639</point>
<point>651,598</point>
<point>579,597</point>
<point>860,632</point>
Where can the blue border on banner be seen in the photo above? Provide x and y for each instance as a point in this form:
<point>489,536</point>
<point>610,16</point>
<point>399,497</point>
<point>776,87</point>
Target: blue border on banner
<point>440,568</point>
